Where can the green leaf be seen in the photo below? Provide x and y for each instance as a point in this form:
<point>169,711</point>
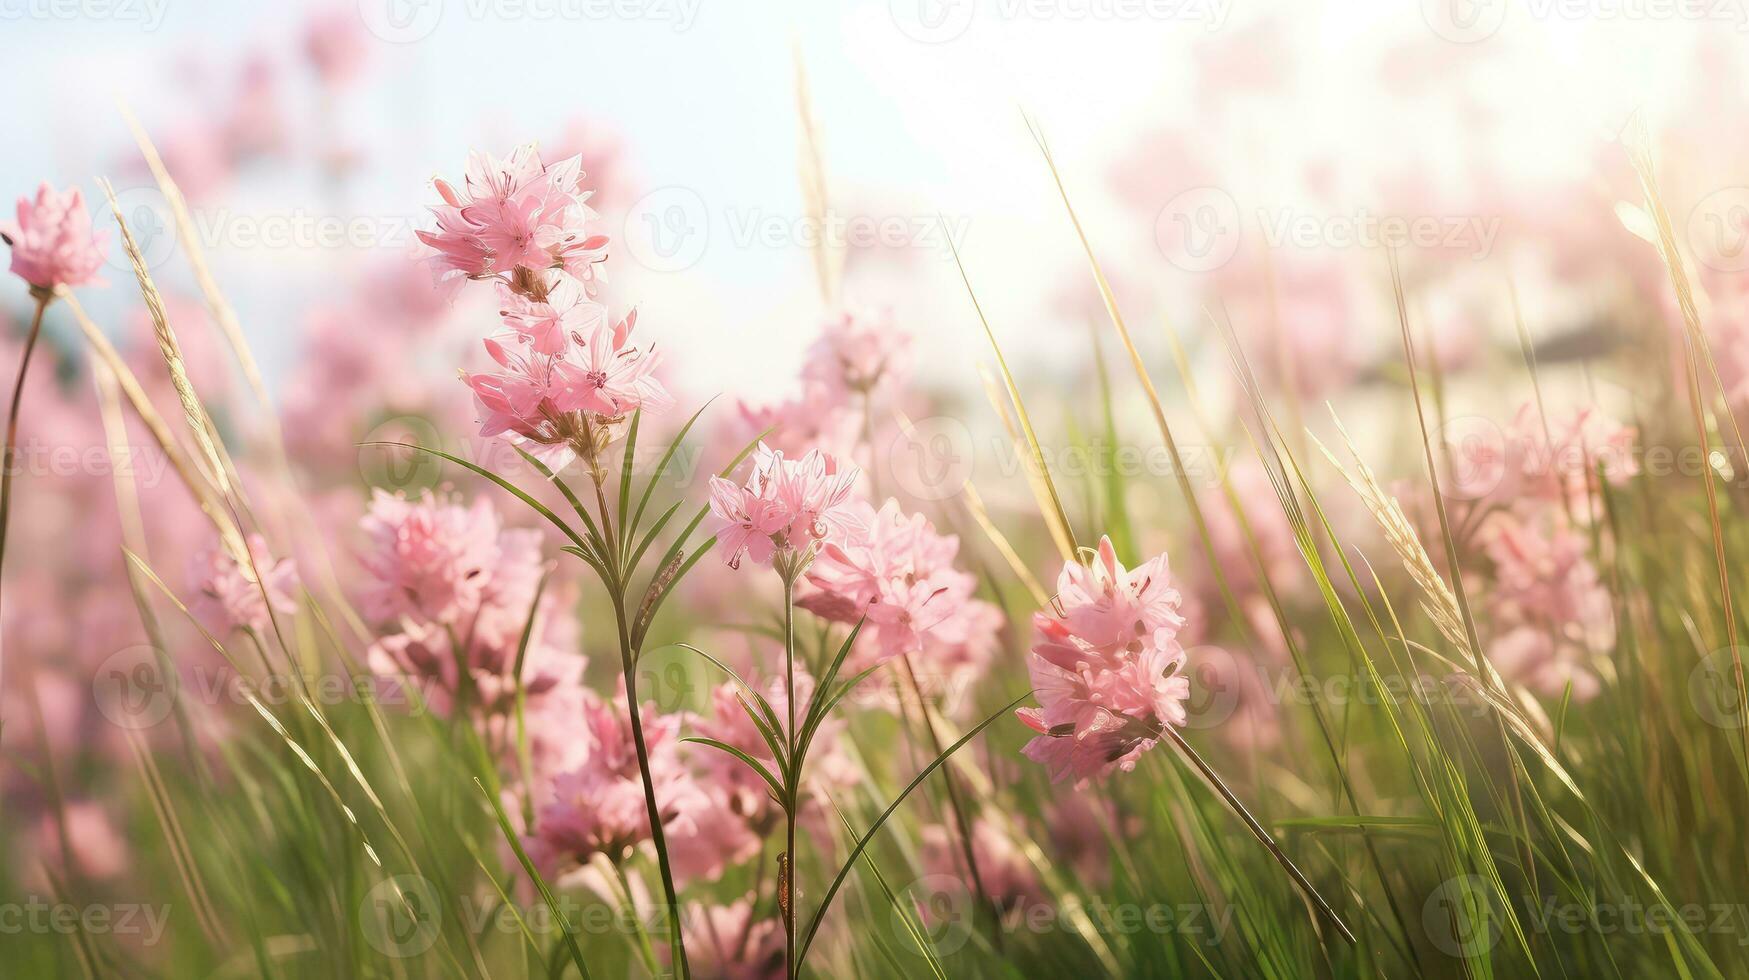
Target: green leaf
<point>540,883</point>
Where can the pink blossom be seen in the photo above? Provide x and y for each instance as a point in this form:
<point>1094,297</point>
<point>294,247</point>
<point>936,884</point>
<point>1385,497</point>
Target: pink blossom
<point>1107,668</point>
<point>98,850</point>
<point>859,353</point>
<point>335,43</point>
<point>744,794</point>
<point>786,507</point>
<point>599,806</point>
<point>429,558</point>
<point>729,942</point>
<point>516,214</point>
<point>235,595</point>
<point>564,404</point>
<point>52,241</point>
<point>1007,876</point>
<point>1532,460</point>
<point>1552,612</point>
<point>548,324</point>
<point>898,572</point>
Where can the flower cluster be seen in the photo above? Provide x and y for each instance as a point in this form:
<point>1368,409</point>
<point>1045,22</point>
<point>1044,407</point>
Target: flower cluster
<point>859,358</point>
<point>896,573</point>
<point>1106,666</point>
<point>231,594</point>
<point>597,806</point>
<point>786,511</point>
<point>567,372</point>
<point>52,241</point>
<point>515,219</point>
<point>460,588</point>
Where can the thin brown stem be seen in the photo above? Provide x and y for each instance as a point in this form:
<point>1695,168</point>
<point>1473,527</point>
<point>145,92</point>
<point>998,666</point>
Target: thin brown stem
<point>6,461</point>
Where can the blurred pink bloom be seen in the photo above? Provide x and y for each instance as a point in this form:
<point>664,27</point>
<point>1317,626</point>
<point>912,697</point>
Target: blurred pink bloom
<point>98,850</point>
<point>729,942</point>
<point>52,241</point>
<point>336,44</point>
<point>1552,612</point>
<point>1107,668</point>
<point>606,172</point>
<point>233,595</point>
<point>1007,876</point>
<point>898,572</point>
<point>599,807</point>
<point>1531,460</point>
<point>429,558</point>
<point>858,353</point>
<point>743,793</point>
<point>254,125</point>
<point>786,507</point>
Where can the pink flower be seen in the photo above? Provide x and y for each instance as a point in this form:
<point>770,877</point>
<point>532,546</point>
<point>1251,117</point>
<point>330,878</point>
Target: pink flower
<point>1110,608</point>
<point>550,323</point>
<point>234,595</point>
<point>1553,613</point>
<point>430,559</point>
<point>1530,460</point>
<point>516,214</point>
<point>744,794</point>
<point>566,403</point>
<point>898,572</point>
<point>599,807</point>
<point>1107,668</point>
<point>335,43</point>
<point>858,353</point>
<point>729,942</point>
<point>786,507</point>
<point>1003,869</point>
<point>52,241</point>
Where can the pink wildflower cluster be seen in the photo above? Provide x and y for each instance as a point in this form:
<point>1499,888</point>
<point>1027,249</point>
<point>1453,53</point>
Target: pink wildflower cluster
<point>460,587</point>
<point>597,806</point>
<point>730,942</point>
<point>743,794</point>
<point>1106,667</point>
<point>786,511</point>
<point>896,573</point>
<point>566,371</point>
<point>1007,876</point>
<point>516,217</point>
<point>234,594</point>
<point>1552,613</point>
<point>52,241</point>
<point>1533,461</point>
<point>1535,490</point>
<point>859,359</point>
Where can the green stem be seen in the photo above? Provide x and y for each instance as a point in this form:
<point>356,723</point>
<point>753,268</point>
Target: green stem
<point>628,667</point>
<point>788,884</point>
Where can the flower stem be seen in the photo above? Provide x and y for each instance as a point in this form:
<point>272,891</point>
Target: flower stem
<point>787,884</point>
<point>628,667</point>
<point>6,467</point>
<point>1257,831</point>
